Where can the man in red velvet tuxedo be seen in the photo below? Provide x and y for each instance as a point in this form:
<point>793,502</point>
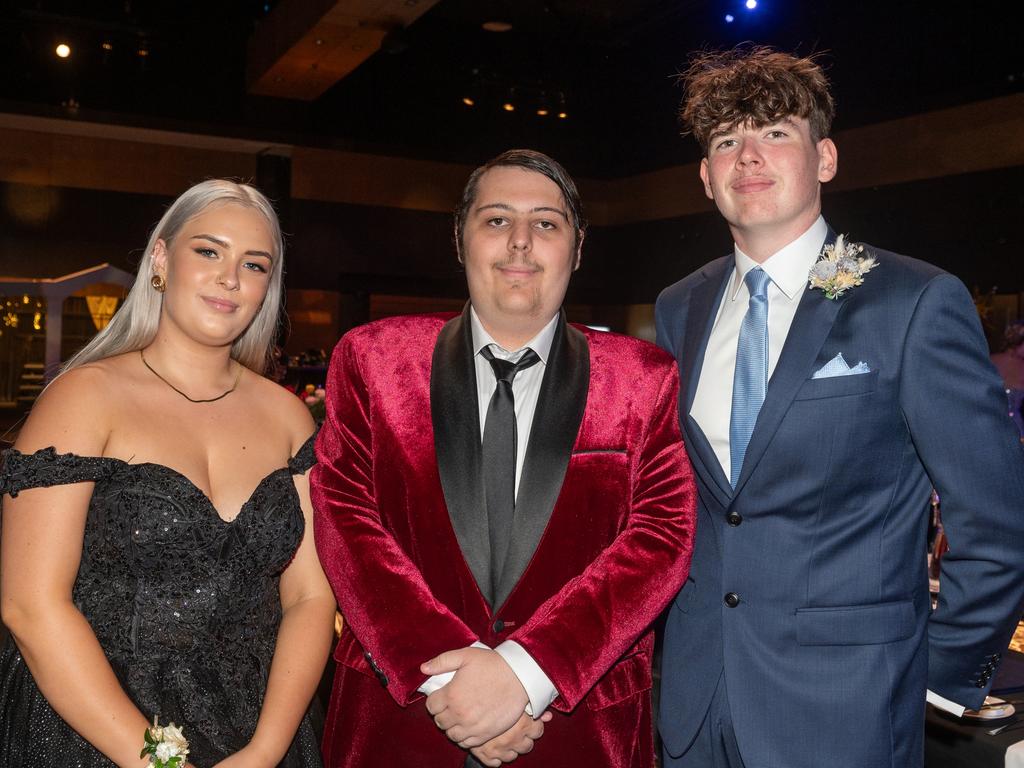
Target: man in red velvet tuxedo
<point>503,505</point>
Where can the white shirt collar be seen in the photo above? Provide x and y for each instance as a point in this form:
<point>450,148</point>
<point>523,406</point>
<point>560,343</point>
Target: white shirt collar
<point>541,343</point>
<point>788,267</point>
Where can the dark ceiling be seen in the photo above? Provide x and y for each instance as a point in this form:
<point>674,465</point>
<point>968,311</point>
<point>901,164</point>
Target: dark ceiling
<point>612,64</point>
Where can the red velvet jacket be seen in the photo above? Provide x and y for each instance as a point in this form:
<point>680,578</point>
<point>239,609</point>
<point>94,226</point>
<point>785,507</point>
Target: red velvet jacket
<point>603,535</point>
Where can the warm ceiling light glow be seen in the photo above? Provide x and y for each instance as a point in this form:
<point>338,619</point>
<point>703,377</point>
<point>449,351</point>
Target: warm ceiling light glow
<point>63,50</point>
<point>143,52</point>
<point>107,46</point>
<point>508,106</point>
<point>562,115</point>
<point>543,112</point>
<point>468,101</point>
<point>497,26</point>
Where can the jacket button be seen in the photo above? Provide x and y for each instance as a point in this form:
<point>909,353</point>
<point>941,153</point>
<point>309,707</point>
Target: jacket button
<point>499,625</point>
<point>734,519</point>
<point>732,599</point>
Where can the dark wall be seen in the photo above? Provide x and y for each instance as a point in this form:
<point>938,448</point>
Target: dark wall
<point>53,231</point>
<point>970,225</point>
<point>355,248</point>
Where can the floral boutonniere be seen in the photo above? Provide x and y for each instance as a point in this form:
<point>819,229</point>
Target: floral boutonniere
<point>840,268</point>
<point>166,746</point>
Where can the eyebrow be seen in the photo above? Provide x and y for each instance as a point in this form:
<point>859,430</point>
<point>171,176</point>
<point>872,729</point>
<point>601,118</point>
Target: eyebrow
<point>225,244</point>
<point>538,209</point>
<point>725,132</point>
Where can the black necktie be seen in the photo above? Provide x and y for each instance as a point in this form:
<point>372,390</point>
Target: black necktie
<point>499,456</point>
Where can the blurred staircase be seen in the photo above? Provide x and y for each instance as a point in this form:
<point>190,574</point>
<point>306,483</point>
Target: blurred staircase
<point>30,384</point>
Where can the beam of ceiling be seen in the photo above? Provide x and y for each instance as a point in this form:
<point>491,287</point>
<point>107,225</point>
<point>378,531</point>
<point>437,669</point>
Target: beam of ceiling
<point>305,46</point>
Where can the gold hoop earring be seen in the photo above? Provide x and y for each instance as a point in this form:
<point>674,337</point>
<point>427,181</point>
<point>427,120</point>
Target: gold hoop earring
<point>158,283</point>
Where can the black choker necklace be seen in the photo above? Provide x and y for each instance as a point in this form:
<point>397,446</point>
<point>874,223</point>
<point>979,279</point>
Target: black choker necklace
<point>238,376</point>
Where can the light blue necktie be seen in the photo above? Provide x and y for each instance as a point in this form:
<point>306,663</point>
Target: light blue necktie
<point>750,381</point>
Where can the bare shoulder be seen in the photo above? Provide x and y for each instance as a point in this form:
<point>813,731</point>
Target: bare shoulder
<point>74,414</point>
<point>283,409</point>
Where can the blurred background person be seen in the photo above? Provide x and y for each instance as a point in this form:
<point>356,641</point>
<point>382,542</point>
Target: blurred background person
<point>1010,364</point>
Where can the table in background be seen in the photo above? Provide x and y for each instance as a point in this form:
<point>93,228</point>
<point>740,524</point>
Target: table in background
<point>953,743</point>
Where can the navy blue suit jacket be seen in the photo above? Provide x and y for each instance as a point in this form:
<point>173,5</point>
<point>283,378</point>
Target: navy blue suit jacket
<point>828,652</point>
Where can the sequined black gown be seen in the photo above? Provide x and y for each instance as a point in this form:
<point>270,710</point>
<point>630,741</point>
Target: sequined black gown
<point>185,605</point>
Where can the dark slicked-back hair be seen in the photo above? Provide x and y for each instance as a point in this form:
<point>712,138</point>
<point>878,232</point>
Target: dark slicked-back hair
<point>528,160</point>
<point>753,85</point>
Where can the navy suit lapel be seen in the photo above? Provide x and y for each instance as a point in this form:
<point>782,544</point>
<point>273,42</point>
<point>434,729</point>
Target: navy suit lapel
<point>700,319</point>
<point>556,424</point>
<point>811,326</point>
<point>455,414</point>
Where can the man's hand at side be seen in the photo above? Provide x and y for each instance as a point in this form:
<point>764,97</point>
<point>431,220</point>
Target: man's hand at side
<point>516,741</point>
<point>484,699</point>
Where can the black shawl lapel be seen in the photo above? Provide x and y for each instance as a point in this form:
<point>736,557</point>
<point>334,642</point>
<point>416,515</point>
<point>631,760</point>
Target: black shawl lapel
<point>700,319</point>
<point>556,424</point>
<point>455,414</point>
<point>811,326</point>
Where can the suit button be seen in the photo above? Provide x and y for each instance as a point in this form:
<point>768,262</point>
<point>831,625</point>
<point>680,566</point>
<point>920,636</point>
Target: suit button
<point>732,599</point>
<point>734,519</point>
<point>498,626</point>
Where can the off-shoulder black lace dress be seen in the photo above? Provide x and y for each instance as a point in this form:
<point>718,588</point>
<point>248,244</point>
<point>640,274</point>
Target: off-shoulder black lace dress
<point>184,604</point>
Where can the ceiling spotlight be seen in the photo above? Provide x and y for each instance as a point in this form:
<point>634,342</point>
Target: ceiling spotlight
<point>508,106</point>
<point>562,115</point>
<point>468,101</point>
<point>497,26</point>
<point>63,50</point>
<point>751,4</point>
<point>543,104</point>
<point>107,45</point>
<point>729,18</point>
<point>143,51</point>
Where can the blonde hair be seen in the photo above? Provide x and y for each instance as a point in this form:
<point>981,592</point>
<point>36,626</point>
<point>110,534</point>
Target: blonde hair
<point>135,323</point>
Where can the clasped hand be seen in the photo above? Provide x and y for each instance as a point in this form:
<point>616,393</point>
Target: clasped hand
<point>516,741</point>
<point>484,699</point>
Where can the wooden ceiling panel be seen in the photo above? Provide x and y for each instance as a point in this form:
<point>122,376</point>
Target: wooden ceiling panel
<point>302,49</point>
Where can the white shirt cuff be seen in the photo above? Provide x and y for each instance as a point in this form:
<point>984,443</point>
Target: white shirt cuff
<point>945,704</point>
<point>436,682</point>
<point>538,685</point>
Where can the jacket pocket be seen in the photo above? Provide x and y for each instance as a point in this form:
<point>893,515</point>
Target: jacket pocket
<point>629,676</point>
<point>855,624</point>
<point>838,386</point>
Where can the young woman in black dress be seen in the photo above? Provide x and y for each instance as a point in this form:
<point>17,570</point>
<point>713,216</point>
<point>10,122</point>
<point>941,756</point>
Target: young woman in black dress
<point>157,548</point>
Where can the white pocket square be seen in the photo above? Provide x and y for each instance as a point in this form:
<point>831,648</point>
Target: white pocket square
<point>838,366</point>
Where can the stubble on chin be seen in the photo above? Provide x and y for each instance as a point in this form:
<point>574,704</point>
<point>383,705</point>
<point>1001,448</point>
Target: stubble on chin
<point>520,301</point>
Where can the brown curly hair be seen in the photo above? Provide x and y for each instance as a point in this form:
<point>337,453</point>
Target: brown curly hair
<point>756,85</point>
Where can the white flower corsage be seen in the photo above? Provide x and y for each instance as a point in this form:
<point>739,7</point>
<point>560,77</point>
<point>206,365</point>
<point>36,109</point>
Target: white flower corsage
<point>166,746</point>
<point>840,268</point>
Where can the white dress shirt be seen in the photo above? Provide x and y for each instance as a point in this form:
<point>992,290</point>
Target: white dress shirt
<point>788,270</point>
<point>525,390</point>
<point>712,403</point>
<point>525,386</point>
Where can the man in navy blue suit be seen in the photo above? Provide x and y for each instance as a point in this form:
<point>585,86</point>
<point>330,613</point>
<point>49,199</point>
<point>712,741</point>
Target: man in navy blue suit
<point>826,386</point>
